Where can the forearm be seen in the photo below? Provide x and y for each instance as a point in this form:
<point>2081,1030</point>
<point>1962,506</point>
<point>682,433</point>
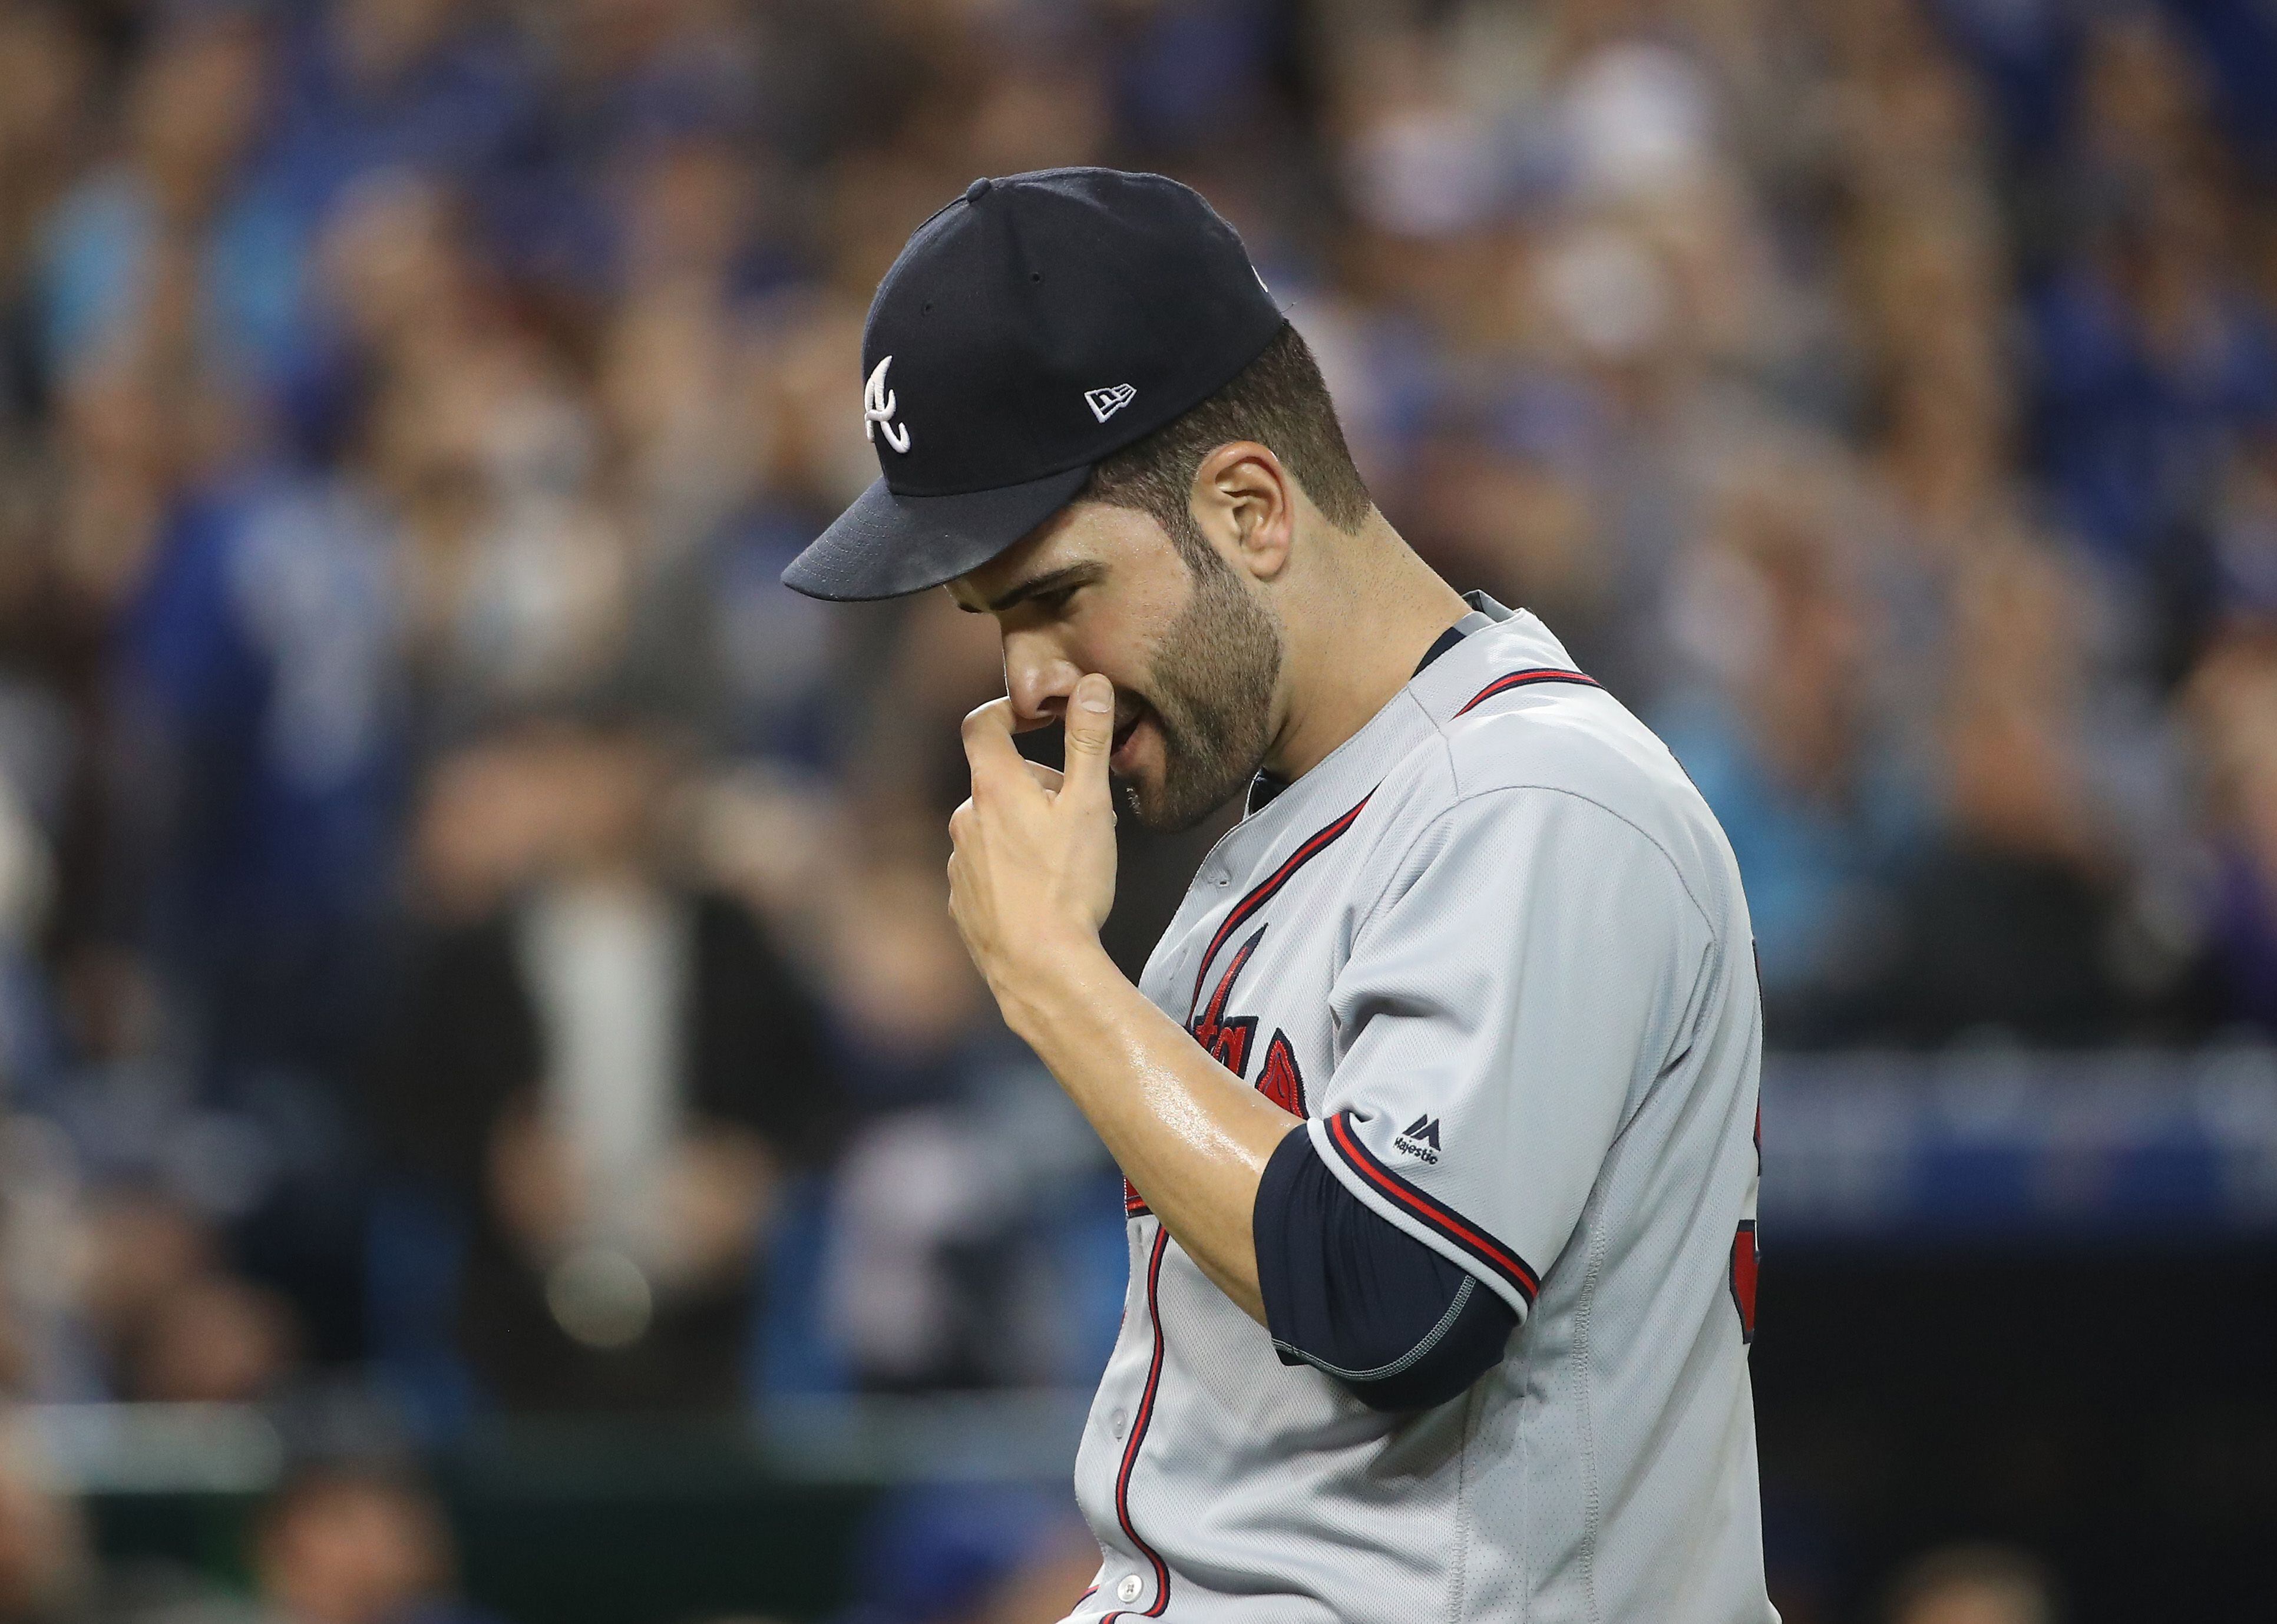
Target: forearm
<point>1189,1134</point>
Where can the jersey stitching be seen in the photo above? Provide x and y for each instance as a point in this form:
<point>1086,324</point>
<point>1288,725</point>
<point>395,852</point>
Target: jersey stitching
<point>1407,1361</point>
<point>1472,1401</point>
<point>1592,1218</point>
<point>1138,1425</point>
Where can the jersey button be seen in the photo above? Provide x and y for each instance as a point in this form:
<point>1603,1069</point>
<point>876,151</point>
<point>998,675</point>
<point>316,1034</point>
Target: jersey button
<point>1129,1589</point>
<point>1119,1421</point>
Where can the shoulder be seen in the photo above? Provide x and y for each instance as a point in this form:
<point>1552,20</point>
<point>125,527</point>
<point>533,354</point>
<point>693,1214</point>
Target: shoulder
<point>1550,765</point>
<point>1577,741</point>
<point>1563,738</point>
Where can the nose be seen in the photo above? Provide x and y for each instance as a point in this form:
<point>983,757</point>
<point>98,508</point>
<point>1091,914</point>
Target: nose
<point>1038,677</point>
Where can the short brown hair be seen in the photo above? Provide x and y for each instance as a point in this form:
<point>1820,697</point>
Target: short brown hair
<point>1279,401</point>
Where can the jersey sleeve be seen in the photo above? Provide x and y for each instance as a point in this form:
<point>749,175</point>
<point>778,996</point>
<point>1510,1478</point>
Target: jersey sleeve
<point>1369,1305</point>
<point>1534,963</point>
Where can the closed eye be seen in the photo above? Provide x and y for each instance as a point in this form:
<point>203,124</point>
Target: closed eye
<point>1052,590</point>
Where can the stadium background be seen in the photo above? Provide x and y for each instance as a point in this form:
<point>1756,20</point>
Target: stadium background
<point>494,1121</point>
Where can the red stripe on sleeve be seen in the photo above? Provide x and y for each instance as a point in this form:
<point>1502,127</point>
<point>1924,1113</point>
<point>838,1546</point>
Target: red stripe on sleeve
<point>1445,1219</point>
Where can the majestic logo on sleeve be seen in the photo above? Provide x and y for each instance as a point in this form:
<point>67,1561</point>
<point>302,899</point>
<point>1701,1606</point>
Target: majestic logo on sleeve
<point>1421,1138</point>
<point>1105,403</point>
<point>878,404</point>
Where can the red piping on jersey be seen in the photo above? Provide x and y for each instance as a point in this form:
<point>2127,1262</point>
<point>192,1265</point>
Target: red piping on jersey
<point>1444,1220</point>
<point>1524,679</point>
<point>1139,1423</point>
<point>1263,893</point>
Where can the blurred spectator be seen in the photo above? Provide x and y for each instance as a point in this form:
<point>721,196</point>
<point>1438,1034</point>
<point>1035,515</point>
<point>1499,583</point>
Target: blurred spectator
<point>46,1571</point>
<point>418,85</point>
<point>2232,700</point>
<point>355,1548</point>
<point>174,244</point>
<point>2009,915</point>
<point>607,1068</point>
<point>262,726</point>
<point>1799,753</point>
<point>48,67</point>
<point>216,1341</point>
<point>166,1320</point>
<point>971,1215</point>
<point>2151,351</point>
<point>1973,1584</point>
<point>334,1545</point>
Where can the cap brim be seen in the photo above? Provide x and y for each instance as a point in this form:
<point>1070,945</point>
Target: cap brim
<point>886,545</point>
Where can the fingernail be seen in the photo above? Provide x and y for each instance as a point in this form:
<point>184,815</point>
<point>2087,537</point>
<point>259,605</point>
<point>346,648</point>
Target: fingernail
<point>1096,696</point>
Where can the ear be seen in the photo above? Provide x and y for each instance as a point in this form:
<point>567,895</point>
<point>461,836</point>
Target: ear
<point>1246,503</point>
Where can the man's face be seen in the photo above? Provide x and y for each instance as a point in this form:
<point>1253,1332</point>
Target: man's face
<point>1192,654</point>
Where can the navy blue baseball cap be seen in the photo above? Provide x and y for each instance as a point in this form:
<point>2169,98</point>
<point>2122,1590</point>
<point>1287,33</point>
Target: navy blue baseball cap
<point>1032,327</point>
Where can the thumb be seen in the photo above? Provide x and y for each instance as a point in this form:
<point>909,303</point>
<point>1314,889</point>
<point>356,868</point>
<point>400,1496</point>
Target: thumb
<point>1090,727</point>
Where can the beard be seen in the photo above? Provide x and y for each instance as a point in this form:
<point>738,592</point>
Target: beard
<point>1210,686</point>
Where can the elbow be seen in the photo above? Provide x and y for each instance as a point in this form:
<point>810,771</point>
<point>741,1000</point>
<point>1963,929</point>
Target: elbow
<point>1468,1339</point>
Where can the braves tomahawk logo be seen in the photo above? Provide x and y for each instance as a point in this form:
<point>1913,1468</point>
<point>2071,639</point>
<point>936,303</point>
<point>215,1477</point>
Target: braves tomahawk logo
<point>878,404</point>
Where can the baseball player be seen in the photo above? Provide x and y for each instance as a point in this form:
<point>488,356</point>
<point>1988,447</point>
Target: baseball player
<point>1436,1102</point>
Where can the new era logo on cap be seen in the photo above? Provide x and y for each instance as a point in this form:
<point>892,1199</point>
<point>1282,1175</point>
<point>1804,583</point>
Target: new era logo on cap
<point>1105,403</point>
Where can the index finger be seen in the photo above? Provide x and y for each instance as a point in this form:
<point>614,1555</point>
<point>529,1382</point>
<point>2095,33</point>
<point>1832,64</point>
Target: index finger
<point>989,747</point>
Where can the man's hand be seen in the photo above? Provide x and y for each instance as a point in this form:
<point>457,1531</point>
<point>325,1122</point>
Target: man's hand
<point>1032,876</point>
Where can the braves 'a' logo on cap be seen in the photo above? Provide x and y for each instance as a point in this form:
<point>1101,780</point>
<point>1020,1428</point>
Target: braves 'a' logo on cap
<point>878,410</point>
<point>1105,403</point>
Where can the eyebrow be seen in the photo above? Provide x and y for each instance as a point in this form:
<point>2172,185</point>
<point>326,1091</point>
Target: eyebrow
<point>1066,578</point>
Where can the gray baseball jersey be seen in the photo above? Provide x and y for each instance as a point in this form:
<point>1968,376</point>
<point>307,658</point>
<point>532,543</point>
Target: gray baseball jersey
<point>1493,951</point>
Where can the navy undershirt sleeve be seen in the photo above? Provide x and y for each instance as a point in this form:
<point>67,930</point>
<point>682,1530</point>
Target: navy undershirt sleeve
<point>1351,1293</point>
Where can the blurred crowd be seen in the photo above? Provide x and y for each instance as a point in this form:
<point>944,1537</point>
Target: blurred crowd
<point>371,1543</point>
<point>461,919</point>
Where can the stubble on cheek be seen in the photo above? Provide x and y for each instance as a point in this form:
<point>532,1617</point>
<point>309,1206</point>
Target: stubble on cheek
<point>1213,676</point>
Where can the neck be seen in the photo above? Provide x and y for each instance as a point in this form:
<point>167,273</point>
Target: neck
<point>1372,616</point>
